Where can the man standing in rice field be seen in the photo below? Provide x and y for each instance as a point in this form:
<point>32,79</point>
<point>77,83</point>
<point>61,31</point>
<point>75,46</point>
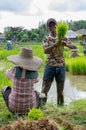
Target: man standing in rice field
<point>55,63</point>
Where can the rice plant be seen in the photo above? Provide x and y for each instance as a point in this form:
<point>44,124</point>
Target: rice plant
<point>77,65</point>
<point>61,29</point>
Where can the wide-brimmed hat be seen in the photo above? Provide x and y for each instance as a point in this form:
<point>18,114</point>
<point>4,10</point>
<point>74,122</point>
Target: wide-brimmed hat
<point>51,20</point>
<point>26,60</point>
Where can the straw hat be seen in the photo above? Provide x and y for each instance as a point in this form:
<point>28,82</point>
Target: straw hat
<point>26,60</point>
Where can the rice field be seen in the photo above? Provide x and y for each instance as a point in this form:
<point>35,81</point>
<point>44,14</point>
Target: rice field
<point>74,65</point>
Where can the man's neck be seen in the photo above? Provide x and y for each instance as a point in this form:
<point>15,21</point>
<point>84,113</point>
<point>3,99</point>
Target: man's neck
<point>53,34</point>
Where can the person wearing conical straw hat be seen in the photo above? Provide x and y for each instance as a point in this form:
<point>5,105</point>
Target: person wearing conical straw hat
<point>22,97</point>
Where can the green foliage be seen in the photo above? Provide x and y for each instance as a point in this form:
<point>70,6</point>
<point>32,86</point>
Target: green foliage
<point>76,65</point>
<point>76,25</point>
<point>25,35</point>
<point>37,34</point>
<point>61,29</point>
<point>79,37</point>
<point>35,114</point>
<point>4,53</point>
<point>79,105</point>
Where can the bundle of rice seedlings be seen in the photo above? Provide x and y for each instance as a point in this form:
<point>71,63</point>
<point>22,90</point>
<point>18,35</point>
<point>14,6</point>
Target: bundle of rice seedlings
<point>61,29</point>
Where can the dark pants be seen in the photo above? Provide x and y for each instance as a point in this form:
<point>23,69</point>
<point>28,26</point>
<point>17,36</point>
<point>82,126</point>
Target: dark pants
<point>6,92</point>
<point>49,74</point>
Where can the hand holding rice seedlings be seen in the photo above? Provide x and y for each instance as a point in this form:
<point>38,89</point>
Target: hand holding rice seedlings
<point>61,29</point>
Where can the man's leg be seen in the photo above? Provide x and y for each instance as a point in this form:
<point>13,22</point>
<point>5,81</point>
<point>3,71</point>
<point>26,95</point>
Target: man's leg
<point>48,77</point>
<point>60,97</point>
<point>45,88</point>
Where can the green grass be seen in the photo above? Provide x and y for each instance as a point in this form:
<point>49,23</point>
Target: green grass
<point>76,65</point>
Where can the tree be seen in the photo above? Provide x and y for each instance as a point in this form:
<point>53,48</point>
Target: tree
<point>76,25</point>
<point>12,33</point>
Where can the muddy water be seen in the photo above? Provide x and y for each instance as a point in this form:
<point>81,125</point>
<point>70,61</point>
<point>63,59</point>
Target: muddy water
<point>74,89</point>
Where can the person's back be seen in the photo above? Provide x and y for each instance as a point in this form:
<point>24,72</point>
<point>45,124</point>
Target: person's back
<point>74,53</point>
<point>22,97</point>
<point>9,45</point>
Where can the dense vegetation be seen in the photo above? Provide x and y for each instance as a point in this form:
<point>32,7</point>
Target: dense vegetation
<point>24,35</point>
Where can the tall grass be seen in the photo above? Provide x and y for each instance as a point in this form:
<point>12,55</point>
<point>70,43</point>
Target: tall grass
<point>76,65</point>
<point>4,53</point>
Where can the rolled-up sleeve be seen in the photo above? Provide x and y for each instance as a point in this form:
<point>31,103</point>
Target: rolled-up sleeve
<point>10,73</point>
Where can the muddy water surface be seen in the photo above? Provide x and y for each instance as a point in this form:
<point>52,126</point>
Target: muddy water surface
<point>74,89</point>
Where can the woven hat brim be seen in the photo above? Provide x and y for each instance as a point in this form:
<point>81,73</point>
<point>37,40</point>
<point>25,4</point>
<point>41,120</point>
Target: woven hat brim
<point>33,63</point>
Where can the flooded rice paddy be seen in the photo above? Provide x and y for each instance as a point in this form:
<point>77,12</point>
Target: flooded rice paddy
<point>74,88</point>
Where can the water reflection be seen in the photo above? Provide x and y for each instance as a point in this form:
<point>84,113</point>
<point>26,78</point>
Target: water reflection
<point>78,81</point>
<point>75,88</point>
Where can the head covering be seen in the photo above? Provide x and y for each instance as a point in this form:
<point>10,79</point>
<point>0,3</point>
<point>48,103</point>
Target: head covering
<point>26,60</point>
<point>8,41</point>
<point>51,20</point>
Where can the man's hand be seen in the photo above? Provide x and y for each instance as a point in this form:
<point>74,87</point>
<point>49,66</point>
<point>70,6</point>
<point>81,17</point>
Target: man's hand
<point>57,43</point>
<point>63,43</point>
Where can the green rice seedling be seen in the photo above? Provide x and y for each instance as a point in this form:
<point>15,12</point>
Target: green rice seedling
<point>4,53</point>
<point>77,65</point>
<point>79,37</point>
<point>35,114</point>
<point>4,65</point>
<point>61,29</point>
